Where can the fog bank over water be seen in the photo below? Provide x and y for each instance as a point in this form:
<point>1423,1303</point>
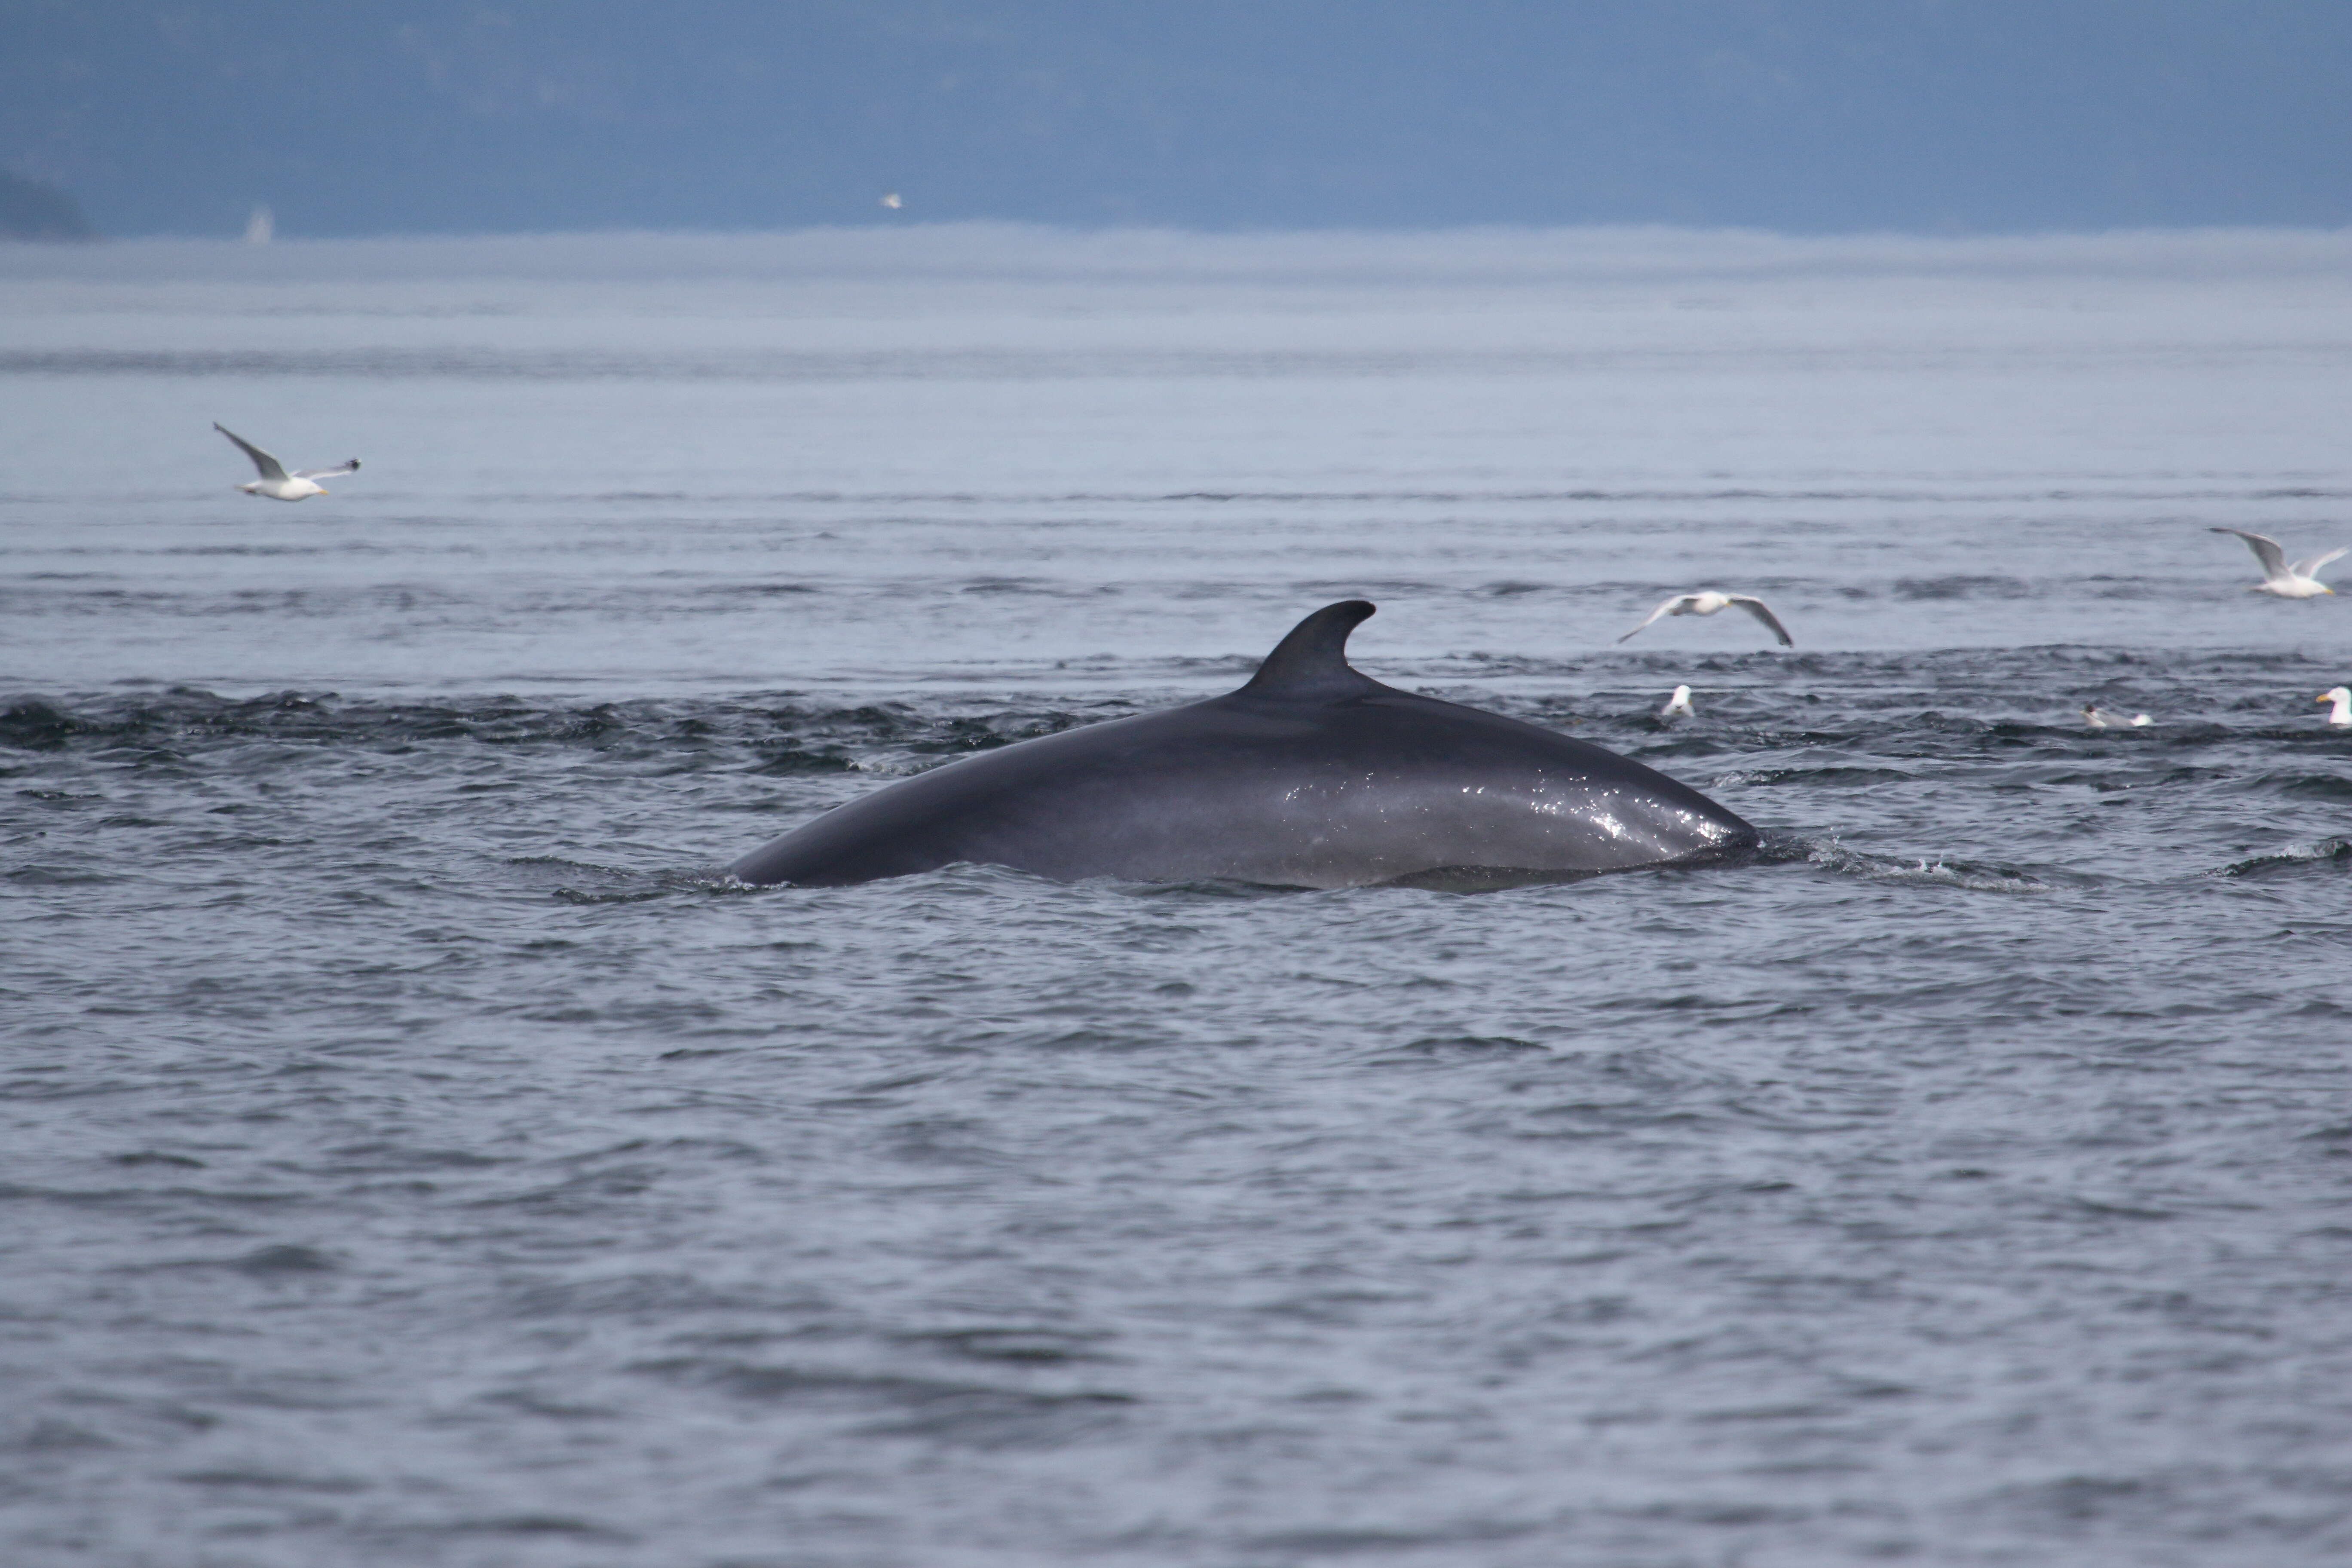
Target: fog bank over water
<point>1601,257</point>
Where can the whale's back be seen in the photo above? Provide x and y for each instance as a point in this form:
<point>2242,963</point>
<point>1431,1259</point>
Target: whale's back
<point>1347,789</point>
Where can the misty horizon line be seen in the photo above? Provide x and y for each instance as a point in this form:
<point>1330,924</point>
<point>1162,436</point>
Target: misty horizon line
<point>1950,234</point>
<point>980,249</point>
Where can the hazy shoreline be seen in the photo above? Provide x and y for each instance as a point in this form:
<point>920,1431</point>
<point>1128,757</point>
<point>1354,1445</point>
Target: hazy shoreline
<point>1598,256</point>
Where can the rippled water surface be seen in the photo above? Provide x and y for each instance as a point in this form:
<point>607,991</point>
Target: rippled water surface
<point>411,1151</point>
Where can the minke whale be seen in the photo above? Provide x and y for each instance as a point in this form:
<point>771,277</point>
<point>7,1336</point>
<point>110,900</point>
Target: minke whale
<point>1311,775</point>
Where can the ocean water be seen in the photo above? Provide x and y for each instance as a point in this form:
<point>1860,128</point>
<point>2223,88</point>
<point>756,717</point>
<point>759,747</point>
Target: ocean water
<point>413,1151</point>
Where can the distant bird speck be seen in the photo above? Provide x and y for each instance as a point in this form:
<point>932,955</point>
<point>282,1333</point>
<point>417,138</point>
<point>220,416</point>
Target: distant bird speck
<point>890,199</point>
<point>275,481</point>
<point>261,227</point>
<point>2100,719</point>
<point>1678,706</point>
<point>2294,581</point>
<point>1709,602</point>
<point>2340,715</point>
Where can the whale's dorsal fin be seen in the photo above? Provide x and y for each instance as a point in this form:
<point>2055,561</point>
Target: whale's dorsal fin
<point>1311,663</point>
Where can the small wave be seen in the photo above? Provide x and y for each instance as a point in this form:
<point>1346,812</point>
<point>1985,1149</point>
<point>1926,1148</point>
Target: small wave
<point>285,1259</point>
<point>792,761</point>
<point>1937,872</point>
<point>1962,587</point>
<point>2334,853</point>
<point>585,882</point>
<point>562,1526</point>
<point>1839,777</point>
<point>898,763</point>
<point>32,725</point>
<point>1444,1046</point>
<point>52,876</point>
<point>758,590</point>
<point>2306,786</point>
<point>906,1403</point>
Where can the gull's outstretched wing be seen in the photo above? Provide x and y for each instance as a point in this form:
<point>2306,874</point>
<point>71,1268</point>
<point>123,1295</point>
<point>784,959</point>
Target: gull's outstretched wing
<point>2266,550</point>
<point>1756,607</point>
<point>351,466</point>
<point>1668,608</point>
<point>2311,568</point>
<point>271,468</point>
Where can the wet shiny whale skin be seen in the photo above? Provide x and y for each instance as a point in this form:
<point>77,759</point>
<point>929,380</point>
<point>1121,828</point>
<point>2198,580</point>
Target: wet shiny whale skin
<point>1311,775</point>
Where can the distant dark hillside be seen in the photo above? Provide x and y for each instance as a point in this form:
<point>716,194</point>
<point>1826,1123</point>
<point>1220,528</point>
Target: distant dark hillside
<point>1819,116</point>
<point>30,209</point>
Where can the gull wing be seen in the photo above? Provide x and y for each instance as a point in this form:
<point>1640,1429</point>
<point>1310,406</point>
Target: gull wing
<point>351,466</point>
<point>1756,607</point>
<point>271,468</point>
<point>1671,607</point>
<point>2311,568</point>
<point>2266,550</point>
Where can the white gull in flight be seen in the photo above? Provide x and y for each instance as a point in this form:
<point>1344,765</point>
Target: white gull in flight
<point>1678,706</point>
<point>1709,602</point>
<point>2100,719</point>
<point>275,481</point>
<point>2294,581</point>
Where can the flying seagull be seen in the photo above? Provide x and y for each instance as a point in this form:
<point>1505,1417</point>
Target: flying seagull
<point>2339,715</point>
<point>1678,706</point>
<point>1708,602</point>
<point>2100,719</point>
<point>2294,581</point>
<point>275,481</point>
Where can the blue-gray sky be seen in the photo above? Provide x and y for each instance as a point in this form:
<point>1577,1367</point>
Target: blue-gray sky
<point>430,116</point>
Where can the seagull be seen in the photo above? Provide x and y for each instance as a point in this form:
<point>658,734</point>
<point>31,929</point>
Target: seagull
<point>1678,706</point>
<point>890,199</point>
<point>275,481</point>
<point>2341,714</point>
<point>1708,602</point>
<point>2100,719</point>
<point>2294,581</point>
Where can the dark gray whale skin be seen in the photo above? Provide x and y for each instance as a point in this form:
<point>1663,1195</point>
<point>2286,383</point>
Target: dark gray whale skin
<point>1312,775</point>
